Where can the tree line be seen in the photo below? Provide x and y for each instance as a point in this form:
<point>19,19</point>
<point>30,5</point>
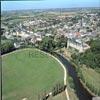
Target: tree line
<point>91,58</point>
<point>51,44</point>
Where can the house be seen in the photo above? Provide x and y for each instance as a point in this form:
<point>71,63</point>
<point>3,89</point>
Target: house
<point>78,44</point>
<point>75,41</point>
<point>48,35</point>
<point>37,37</point>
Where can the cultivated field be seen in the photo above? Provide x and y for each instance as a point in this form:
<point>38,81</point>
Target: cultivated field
<point>27,73</point>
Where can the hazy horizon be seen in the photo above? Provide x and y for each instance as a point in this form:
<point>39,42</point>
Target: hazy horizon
<point>47,4</point>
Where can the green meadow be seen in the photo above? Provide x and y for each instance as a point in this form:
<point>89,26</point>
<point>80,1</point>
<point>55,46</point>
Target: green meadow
<point>28,73</point>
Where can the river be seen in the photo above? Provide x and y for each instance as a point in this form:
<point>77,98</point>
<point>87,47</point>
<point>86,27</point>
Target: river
<point>81,92</point>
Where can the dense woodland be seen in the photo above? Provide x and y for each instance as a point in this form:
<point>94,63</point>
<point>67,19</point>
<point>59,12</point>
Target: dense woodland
<point>51,44</point>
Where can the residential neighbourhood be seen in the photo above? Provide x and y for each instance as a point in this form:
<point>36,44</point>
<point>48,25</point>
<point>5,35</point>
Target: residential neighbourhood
<point>79,28</point>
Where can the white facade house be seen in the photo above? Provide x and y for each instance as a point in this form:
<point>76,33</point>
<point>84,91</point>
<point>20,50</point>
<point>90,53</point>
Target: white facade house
<point>75,40</point>
<point>77,44</point>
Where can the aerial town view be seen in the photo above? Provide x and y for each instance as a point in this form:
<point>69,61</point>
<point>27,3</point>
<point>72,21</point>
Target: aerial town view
<point>50,50</point>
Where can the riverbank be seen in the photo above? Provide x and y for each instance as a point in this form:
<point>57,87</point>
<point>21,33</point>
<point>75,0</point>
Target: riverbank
<point>89,77</point>
<point>82,93</point>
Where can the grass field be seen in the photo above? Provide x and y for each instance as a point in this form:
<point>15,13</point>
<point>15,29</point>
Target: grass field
<point>92,78</point>
<point>27,73</point>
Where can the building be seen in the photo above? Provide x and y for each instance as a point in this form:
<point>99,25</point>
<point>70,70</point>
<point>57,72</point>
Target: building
<point>76,41</point>
<point>77,44</point>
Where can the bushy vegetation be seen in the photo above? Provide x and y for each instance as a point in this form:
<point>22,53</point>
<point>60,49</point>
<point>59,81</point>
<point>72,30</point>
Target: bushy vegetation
<point>6,46</point>
<point>89,66</point>
<point>49,44</point>
<point>91,58</point>
<point>71,83</point>
<point>91,79</point>
<point>58,88</point>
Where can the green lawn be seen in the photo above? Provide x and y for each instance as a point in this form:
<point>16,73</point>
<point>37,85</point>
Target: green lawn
<point>27,73</point>
<point>92,78</point>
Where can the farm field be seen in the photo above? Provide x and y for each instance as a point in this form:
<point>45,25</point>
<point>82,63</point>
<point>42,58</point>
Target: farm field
<point>27,73</point>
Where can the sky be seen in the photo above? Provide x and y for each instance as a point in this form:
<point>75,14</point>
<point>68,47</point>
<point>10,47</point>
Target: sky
<point>42,4</point>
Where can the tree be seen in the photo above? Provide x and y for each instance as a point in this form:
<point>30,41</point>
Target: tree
<point>91,58</point>
<point>7,46</point>
<point>62,42</point>
<point>48,44</point>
